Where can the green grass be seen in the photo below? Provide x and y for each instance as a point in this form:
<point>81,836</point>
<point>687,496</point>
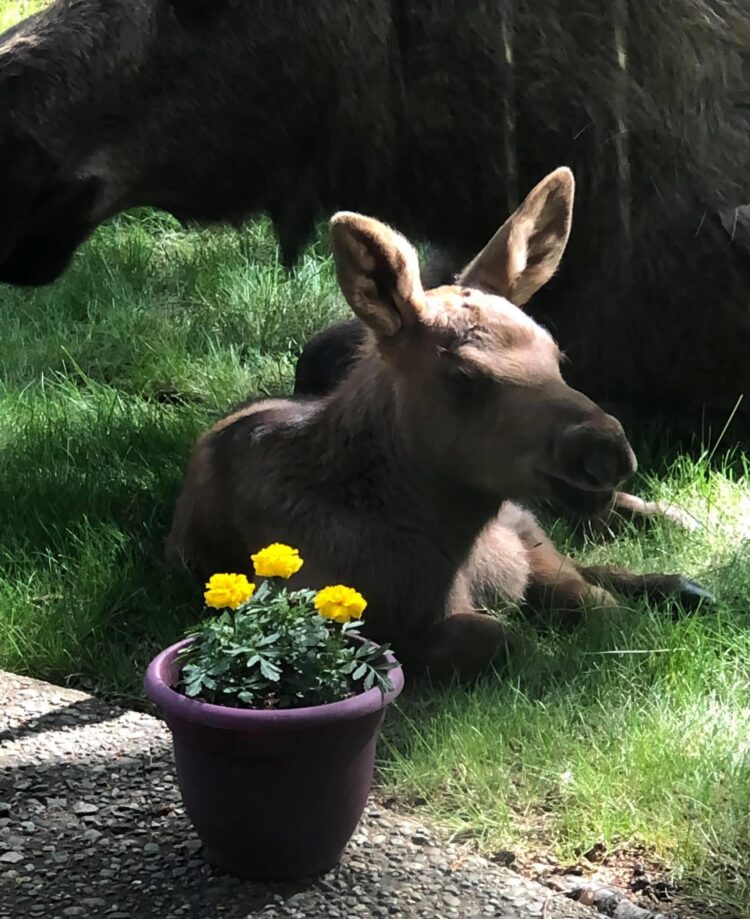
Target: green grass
<point>633,729</point>
<point>13,10</point>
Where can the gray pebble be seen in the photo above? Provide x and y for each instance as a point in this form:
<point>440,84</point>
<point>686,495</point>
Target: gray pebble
<point>83,808</point>
<point>11,858</point>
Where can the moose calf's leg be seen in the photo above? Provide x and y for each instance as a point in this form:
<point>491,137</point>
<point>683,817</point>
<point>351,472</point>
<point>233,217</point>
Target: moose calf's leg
<point>634,508</point>
<point>637,510</point>
<point>554,581</point>
<point>514,559</point>
<point>656,586</point>
<point>463,645</point>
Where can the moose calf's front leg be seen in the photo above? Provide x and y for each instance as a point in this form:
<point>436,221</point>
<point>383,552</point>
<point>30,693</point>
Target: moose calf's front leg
<point>555,583</point>
<point>514,560</point>
<point>463,645</point>
<point>559,583</point>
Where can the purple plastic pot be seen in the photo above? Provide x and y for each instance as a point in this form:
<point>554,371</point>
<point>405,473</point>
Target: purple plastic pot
<point>273,795</point>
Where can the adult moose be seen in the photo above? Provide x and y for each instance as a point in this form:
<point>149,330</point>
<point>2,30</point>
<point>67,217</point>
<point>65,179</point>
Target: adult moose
<point>402,481</point>
<point>430,116</point>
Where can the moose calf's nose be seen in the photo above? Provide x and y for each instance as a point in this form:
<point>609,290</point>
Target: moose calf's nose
<point>608,464</point>
<point>597,454</point>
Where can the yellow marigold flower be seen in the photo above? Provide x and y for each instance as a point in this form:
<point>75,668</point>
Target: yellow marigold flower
<point>228,591</point>
<point>342,604</point>
<point>277,561</point>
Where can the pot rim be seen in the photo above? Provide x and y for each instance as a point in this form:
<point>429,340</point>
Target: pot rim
<point>157,685</point>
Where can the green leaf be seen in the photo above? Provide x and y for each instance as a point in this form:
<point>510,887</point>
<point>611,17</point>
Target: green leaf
<point>269,640</point>
<point>220,667</point>
<point>270,671</point>
<point>360,672</point>
<point>260,594</point>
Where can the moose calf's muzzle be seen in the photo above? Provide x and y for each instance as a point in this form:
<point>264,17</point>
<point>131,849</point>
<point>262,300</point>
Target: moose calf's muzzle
<point>595,455</point>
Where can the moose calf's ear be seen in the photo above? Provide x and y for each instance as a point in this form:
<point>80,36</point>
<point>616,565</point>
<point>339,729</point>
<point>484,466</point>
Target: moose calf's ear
<point>526,251</point>
<point>378,273</point>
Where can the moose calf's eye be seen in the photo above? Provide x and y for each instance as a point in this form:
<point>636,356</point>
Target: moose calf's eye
<point>470,389</point>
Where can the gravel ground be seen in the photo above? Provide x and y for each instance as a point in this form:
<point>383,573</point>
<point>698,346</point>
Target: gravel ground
<point>91,825</point>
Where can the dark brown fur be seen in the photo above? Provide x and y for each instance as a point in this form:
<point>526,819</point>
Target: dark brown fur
<point>402,482</point>
<point>428,115</point>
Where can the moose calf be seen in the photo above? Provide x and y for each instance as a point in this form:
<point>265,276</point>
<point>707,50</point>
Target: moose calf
<point>328,356</point>
<point>402,482</point>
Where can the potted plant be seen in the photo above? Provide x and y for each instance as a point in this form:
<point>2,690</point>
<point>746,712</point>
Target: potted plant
<point>274,702</point>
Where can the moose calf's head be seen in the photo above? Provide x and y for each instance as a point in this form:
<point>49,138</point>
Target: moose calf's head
<point>476,382</point>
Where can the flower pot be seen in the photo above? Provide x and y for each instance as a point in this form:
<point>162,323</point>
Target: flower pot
<point>273,795</point>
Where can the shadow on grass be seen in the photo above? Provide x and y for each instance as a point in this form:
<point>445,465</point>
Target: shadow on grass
<point>87,486</point>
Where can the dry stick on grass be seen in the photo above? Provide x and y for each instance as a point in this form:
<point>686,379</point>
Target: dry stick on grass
<point>607,900</point>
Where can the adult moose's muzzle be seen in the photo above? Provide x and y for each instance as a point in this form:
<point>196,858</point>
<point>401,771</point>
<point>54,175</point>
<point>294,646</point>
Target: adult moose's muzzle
<point>44,217</point>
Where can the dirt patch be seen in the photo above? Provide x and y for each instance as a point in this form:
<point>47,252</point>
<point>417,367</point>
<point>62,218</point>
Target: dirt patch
<point>632,870</point>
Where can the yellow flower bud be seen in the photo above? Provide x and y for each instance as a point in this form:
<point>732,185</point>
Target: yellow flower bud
<point>228,591</point>
<point>277,561</point>
<point>339,603</point>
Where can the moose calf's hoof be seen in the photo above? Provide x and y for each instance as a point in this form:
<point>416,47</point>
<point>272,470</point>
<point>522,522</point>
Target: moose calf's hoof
<point>680,517</point>
<point>691,594</point>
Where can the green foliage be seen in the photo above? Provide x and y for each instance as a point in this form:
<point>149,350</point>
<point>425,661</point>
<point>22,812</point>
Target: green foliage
<point>275,651</point>
<point>11,11</point>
